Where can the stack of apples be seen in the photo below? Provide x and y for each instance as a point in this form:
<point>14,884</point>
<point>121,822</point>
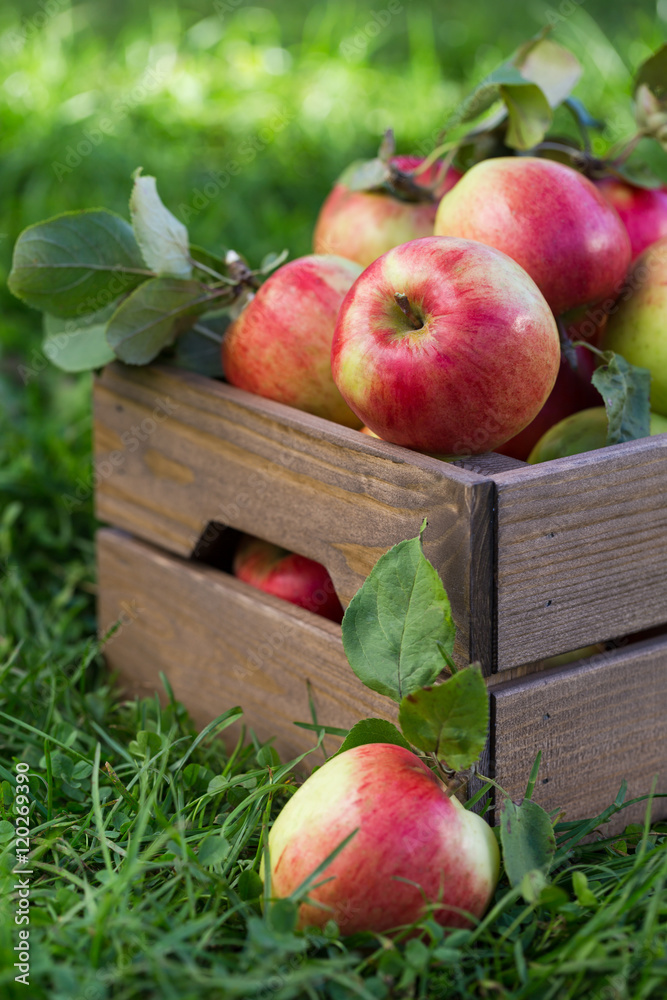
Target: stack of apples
<point>435,322</point>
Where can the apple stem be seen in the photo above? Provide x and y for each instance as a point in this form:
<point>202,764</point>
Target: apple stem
<point>403,303</point>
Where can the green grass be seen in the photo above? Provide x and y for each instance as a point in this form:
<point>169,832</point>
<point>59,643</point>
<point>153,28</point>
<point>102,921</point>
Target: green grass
<point>124,904</point>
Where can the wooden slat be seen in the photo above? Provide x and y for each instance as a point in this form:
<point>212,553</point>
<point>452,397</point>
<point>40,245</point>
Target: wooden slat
<point>176,451</point>
<point>596,723</point>
<point>581,550</point>
<point>222,643</point>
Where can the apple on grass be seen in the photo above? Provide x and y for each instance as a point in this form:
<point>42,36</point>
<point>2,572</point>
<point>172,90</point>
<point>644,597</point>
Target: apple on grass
<point>638,328</point>
<point>362,225</point>
<point>643,211</point>
<point>280,345</point>
<point>549,218</point>
<point>445,346</point>
<point>287,575</point>
<point>415,847</point>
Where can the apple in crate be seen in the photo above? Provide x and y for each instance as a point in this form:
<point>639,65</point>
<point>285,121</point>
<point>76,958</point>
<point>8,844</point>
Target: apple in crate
<point>638,329</point>
<point>414,846</point>
<point>279,346</point>
<point>287,575</point>
<point>446,346</point>
<point>643,211</point>
<point>549,218</point>
<point>583,431</point>
<point>362,225</point>
<point>573,391</point>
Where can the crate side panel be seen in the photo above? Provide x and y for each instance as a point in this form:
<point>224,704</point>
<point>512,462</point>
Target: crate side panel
<point>221,643</point>
<point>596,723</point>
<point>582,550</point>
<point>175,453</point>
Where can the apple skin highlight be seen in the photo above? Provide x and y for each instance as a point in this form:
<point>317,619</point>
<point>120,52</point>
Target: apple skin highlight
<point>478,370</point>
<point>407,828</point>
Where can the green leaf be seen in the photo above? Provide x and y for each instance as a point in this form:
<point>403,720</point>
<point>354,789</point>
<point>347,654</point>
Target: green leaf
<point>372,731</point>
<point>625,389</point>
<point>199,351</point>
<point>249,885</point>
<point>395,622</point>
<point>554,69</point>
<point>653,74</point>
<point>585,897</point>
<point>213,850</point>
<point>282,916</point>
<point>162,238</point>
<point>532,885</point>
<point>147,743</point>
<point>152,317</point>
<point>450,720</point>
<point>76,263</point>
<point>366,175</point>
<point>77,345</point>
<point>529,115</point>
<point>527,839</point>
<point>7,831</point>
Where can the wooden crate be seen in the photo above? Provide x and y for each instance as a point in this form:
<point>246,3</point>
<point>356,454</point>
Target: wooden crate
<point>222,643</point>
<point>537,561</point>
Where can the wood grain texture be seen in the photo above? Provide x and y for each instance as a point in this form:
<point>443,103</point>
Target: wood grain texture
<point>222,643</point>
<point>581,550</point>
<point>177,452</point>
<point>596,723</point>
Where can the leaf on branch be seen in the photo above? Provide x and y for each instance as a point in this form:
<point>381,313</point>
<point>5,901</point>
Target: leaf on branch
<point>77,345</point>
<point>554,69</point>
<point>76,263</point>
<point>372,731</point>
<point>527,838</point>
<point>625,389</point>
<point>153,316</point>
<point>529,115</point>
<point>396,623</point>
<point>650,91</point>
<point>162,238</point>
<point>366,175</point>
<point>450,720</point>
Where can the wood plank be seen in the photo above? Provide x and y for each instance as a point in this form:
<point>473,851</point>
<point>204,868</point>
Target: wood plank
<point>222,643</point>
<point>176,452</point>
<point>581,550</point>
<point>596,723</point>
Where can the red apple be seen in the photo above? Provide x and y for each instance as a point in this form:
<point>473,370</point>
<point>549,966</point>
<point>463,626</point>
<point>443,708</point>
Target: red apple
<point>549,218</point>
<point>643,211</point>
<point>407,828</point>
<point>445,346</point>
<point>362,225</point>
<point>280,345</point>
<point>573,391</point>
<point>287,575</point>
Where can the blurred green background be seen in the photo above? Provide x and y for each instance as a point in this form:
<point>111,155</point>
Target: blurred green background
<point>246,113</point>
